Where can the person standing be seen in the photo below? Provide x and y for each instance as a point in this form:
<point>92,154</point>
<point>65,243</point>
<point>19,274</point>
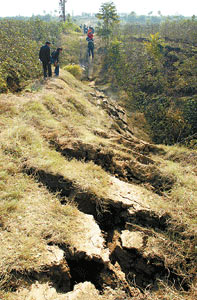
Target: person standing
<point>90,44</point>
<point>91,47</point>
<point>45,57</point>
<point>90,36</point>
<point>55,60</point>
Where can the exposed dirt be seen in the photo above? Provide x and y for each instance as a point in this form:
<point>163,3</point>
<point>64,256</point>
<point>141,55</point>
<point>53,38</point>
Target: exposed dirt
<point>57,272</point>
<point>126,245</point>
<point>123,155</point>
<point>145,261</point>
<point>132,167</point>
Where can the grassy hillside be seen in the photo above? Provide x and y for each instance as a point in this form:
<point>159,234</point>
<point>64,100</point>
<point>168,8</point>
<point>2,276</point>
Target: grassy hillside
<point>66,153</point>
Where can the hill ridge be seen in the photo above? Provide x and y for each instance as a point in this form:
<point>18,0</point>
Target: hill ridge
<point>80,199</point>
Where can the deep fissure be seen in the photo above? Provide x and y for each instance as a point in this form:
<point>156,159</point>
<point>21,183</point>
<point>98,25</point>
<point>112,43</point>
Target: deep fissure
<point>106,161</point>
<point>133,264</point>
<point>144,272</point>
<point>82,270</point>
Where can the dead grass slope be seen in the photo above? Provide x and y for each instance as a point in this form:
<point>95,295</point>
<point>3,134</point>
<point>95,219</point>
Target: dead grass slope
<point>64,138</point>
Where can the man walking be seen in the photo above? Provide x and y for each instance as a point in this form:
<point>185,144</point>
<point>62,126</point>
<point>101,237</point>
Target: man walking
<point>55,60</point>
<point>91,47</point>
<point>90,39</point>
<point>45,57</point>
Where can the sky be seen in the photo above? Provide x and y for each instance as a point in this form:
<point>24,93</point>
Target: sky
<point>166,7</point>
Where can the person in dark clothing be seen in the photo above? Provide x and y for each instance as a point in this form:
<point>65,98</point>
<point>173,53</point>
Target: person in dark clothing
<point>85,29</point>
<point>91,47</point>
<point>55,60</point>
<point>45,57</point>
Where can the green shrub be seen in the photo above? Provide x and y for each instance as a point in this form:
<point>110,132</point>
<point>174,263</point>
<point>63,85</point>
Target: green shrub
<point>190,113</point>
<point>72,48</point>
<point>166,121</point>
<point>68,26</point>
<point>75,70</point>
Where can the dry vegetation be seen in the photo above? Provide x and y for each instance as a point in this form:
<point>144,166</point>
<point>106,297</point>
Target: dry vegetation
<point>31,217</point>
<point>181,200</point>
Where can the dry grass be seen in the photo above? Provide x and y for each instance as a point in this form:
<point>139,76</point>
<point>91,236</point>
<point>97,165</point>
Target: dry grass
<point>30,216</point>
<point>46,115</point>
<point>29,222</point>
<point>28,148</point>
<point>181,203</point>
<point>181,154</point>
<point>181,200</point>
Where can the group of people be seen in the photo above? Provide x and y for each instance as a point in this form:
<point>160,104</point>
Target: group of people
<point>90,39</point>
<point>48,59</point>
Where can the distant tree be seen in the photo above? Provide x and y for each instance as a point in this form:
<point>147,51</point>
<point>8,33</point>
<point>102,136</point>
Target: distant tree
<point>132,16</point>
<point>155,46</point>
<point>62,4</point>
<point>108,14</point>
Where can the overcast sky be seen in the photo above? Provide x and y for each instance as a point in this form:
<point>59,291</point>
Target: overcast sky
<point>167,7</point>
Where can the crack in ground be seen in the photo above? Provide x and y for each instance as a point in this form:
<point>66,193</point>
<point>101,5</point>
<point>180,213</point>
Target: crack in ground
<point>145,272</point>
<point>118,166</point>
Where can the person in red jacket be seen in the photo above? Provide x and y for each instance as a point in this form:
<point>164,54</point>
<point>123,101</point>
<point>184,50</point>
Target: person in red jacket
<point>90,40</point>
<point>90,36</point>
<point>90,33</point>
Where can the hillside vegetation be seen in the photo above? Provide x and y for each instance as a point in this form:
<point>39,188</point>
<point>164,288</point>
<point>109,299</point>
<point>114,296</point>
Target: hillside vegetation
<point>153,67</point>
<point>20,41</point>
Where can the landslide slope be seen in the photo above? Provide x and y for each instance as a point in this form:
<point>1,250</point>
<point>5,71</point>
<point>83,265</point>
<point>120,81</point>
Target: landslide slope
<point>86,208</point>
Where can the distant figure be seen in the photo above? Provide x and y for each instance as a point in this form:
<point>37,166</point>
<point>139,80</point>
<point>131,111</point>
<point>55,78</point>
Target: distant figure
<point>90,43</point>
<point>55,60</point>
<point>91,47</point>
<point>90,36</point>
<point>89,30</point>
<point>85,29</point>
<point>92,29</point>
<point>45,57</point>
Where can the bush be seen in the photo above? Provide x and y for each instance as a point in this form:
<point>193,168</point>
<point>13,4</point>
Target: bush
<point>75,70</point>
<point>190,113</point>
<point>72,48</point>
<point>166,122</point>
<point>69,26</point>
